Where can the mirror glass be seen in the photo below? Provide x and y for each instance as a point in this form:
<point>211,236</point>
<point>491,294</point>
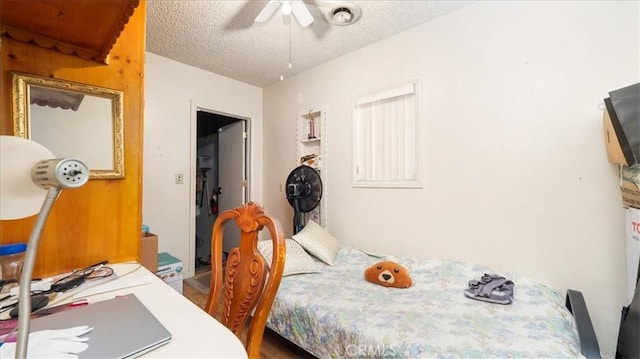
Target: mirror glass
<point>72,120</point>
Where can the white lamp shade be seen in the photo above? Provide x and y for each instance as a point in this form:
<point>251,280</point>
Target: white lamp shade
<point>20,197</point>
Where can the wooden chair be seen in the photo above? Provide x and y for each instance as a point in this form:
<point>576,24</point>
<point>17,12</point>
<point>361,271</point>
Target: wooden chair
<point>245,274</point>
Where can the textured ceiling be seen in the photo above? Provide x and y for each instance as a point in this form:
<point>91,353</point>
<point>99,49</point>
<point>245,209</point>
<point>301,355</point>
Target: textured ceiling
<point>221,36</point>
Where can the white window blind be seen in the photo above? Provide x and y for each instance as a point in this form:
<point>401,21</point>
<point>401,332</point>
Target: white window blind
<point>386,138</point>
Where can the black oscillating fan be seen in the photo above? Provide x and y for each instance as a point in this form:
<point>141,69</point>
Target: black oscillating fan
<point>304,190</point>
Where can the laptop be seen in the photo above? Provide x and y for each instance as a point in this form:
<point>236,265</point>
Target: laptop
<point>123,327</point>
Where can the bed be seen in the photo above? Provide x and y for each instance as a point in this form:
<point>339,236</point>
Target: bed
<point>330,311</point>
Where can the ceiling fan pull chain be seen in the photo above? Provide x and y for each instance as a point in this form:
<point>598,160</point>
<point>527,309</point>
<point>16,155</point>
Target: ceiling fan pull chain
<point>289,44</point>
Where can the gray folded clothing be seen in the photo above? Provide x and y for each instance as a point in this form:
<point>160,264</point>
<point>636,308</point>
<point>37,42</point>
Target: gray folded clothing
<point>491,288</point>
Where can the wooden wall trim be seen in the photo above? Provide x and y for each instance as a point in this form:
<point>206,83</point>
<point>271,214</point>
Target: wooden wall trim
<point>86,29</point>
<point>101,220</point>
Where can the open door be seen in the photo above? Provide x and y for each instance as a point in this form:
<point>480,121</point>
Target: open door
<point>232,175</point>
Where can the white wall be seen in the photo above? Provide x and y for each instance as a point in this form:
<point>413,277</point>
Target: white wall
<point>516,171</point>
<point>172,93</point>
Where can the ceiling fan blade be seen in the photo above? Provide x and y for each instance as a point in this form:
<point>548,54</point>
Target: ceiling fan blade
<point>327,3</point>
<point>302,14</point>
<point>268,11</point>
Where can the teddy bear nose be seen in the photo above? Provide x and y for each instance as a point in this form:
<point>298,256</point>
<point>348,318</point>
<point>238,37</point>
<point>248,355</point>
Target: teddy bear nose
<point>386,276</point>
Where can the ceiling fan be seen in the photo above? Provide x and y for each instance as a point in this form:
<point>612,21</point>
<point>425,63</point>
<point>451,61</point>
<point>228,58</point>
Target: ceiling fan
<point>299,10</point>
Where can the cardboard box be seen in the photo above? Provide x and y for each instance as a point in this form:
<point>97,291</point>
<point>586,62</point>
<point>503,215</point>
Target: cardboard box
<point>176,284</point>
<point>621,122</point>
<point>630,186</point>
<point>170,270</point>
<point>149,251</point>
<point>632,231</point>
<point>611,142</point>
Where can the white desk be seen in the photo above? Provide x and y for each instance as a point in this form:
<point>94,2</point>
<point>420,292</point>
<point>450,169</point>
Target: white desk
<point>195,333</point>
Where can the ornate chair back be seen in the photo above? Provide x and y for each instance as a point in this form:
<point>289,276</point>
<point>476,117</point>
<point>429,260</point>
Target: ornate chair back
<point>247,283</point>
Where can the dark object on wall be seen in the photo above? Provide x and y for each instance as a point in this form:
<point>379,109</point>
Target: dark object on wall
<point>623,108</point>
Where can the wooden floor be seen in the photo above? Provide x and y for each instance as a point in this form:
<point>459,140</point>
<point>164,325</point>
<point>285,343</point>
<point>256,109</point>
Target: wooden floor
<point>273,346</point>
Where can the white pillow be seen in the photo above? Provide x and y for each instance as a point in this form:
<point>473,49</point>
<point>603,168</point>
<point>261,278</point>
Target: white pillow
<point>315,240</point>
<point>297,261</point>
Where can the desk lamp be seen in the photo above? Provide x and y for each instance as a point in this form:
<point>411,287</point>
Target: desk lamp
<point>23,197</point>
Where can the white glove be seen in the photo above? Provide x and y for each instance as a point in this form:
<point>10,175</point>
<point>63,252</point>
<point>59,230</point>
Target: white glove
<point>60,343</point>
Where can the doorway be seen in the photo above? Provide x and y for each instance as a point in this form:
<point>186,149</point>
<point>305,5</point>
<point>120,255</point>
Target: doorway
<point>221,177</point>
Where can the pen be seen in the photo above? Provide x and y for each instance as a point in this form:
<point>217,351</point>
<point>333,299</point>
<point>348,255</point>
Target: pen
<point>78,303</point>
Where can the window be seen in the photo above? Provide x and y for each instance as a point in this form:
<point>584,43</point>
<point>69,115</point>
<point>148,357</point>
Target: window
<point>386,138</point>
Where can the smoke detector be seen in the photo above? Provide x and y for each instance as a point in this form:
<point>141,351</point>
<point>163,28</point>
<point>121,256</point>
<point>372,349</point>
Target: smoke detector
<point>346,13</point>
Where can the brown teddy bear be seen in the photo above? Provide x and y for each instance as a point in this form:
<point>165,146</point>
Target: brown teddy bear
<point>388,274</point>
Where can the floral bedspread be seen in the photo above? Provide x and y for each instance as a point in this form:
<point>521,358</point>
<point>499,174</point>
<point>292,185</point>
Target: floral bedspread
<point>338,314</point>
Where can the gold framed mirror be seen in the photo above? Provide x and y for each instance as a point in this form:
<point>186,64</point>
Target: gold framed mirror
<point>72,120</point>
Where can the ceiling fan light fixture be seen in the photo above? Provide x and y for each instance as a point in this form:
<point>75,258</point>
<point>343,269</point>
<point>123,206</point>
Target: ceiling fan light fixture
<point>297,8</point>
<point>286,8</point>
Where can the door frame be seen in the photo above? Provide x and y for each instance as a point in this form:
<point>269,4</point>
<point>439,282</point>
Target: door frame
<point>195,107</point>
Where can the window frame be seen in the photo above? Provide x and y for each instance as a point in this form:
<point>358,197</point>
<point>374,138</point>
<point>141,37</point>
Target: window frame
<point>412,87</point>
